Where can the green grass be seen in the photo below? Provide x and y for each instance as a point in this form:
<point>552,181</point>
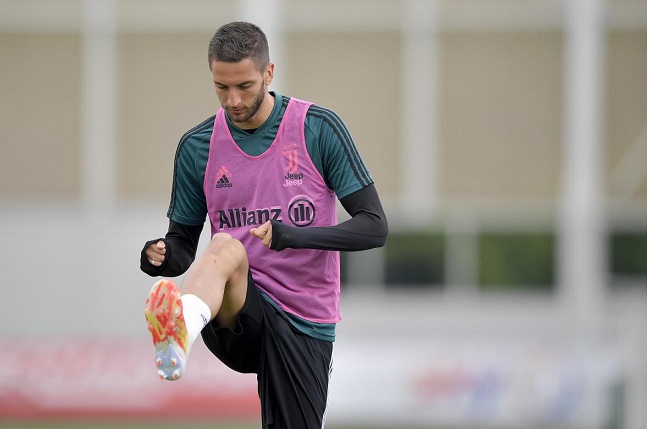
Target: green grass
<point>117,425</point>
<point>147,425</point>
<point>60,424</point>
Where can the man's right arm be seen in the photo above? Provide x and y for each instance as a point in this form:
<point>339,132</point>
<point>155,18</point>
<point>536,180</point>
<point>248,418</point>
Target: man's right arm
<point>187,208</point>
<point>181,244</point>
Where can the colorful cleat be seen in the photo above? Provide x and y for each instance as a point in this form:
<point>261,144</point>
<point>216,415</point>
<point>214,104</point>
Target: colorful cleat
<point>163,313</point>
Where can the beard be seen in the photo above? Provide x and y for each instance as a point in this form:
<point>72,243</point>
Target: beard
<point>250,111</point>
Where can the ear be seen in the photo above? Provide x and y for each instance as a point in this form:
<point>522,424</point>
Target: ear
<point>269,74</point>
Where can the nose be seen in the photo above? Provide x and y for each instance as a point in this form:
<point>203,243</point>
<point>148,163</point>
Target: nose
<point>233,98</point>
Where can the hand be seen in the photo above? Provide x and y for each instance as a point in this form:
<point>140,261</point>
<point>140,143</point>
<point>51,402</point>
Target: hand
<point>263,232</point>
<point>156,252</point>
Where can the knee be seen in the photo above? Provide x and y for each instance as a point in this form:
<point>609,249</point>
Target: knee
<point>225,248</point>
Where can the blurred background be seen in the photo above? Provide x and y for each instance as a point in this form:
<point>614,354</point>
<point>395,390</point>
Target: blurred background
<point>507,139</point>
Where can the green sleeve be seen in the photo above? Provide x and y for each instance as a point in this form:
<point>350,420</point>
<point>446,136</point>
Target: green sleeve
<point>334,153</point>
<point>188,204</point>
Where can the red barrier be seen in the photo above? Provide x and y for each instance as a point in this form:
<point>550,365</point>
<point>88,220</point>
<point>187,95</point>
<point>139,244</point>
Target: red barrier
<point>116,378</point>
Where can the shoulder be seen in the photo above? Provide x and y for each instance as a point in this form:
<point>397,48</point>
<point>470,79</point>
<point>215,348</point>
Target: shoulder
<point>193,148</point>
<point>187,205</point>
<point>193,151</point>
<point>323,117</point>
<point>196,136</point>
<point>327,128</point>
<point>341,164</point>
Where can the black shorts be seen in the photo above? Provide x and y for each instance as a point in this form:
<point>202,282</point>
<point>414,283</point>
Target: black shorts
<point>292,368</point>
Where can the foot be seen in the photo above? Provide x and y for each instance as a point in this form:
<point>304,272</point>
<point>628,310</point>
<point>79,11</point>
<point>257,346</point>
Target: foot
<point>166,323</point>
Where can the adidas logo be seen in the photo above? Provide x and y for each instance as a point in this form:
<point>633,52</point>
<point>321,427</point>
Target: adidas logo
<point>224,175</point>
<point>223,182</point>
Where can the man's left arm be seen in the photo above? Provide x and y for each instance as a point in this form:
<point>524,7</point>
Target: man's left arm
<point>366,229</point>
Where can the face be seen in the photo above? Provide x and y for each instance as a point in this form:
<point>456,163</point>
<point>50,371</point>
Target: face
<point>241,89</point>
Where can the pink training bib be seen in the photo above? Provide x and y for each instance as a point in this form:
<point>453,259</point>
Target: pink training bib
<point>244,191</point>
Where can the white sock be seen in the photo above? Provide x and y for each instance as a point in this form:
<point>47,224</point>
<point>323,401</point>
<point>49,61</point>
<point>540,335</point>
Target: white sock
<point>196,316</point>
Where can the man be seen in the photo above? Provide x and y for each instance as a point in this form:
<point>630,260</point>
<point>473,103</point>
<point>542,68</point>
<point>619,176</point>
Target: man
<point>267,170</point>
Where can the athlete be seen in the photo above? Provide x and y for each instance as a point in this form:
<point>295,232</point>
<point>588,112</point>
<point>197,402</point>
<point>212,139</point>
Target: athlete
<point>267,170</point>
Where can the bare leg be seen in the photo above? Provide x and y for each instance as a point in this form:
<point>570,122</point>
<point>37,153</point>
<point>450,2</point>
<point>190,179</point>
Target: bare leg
<point>219,278</point>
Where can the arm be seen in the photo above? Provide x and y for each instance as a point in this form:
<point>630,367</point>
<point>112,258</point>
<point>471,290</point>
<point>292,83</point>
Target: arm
<point>366,229</point>
<point>334,154</point>
<point>173,254</point>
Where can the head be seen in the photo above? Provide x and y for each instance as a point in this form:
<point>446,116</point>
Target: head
<point>239,62</point>
<point>237,41</point>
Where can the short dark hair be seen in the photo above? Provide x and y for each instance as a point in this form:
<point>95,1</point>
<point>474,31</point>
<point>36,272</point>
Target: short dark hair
<point>236,41</point>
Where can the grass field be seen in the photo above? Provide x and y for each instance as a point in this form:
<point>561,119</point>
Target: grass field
<point>148,425</point>
<point>118,425</point>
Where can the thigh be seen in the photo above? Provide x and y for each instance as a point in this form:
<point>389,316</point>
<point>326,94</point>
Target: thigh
<point>293,376</point>
<point>240,348</point>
